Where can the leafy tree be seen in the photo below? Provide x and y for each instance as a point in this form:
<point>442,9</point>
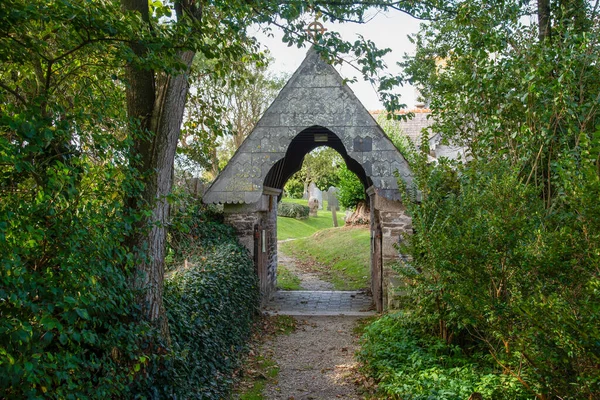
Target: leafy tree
<point>389,122</point>
<point>68,326</point>
<point>319,166</point>
<point>505,252</point>
<point>351,189</point>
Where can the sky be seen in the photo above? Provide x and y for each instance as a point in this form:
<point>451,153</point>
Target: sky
<point>385,29</point>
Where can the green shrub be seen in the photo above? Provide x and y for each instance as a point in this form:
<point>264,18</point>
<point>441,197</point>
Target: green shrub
<point>292,210</point>
<point>499,270</point>
<point>67,315</point>
<point>351,190</point>
<point>210,305</point>
<point>408,364</point>
<point>294,188</point>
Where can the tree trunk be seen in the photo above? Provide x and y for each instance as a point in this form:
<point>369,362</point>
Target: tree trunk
<point>305,192</point>
<point>214,170</point>
<point>157,101</point>
<point>544,28</point>
<point>158,155</point>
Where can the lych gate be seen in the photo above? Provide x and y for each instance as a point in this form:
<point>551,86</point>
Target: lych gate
<point>315,108</point>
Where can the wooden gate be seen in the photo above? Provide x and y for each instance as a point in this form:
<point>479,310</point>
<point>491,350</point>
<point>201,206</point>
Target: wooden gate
<point>261,259</point>
<point>377,267</point>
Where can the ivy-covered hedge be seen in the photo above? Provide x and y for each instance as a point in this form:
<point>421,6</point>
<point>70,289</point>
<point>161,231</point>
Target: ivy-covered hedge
<point>292,210</point>
<point>210,304</point>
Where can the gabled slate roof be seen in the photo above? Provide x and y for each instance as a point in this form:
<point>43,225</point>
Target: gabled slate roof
<point>314,108</point>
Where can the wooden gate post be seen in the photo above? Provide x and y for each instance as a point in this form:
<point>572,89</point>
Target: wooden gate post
<point>260,259</point>
<point>377,267</point>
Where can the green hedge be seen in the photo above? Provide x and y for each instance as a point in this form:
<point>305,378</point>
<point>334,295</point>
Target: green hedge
<point>211,305</point>
<point>292,210</point>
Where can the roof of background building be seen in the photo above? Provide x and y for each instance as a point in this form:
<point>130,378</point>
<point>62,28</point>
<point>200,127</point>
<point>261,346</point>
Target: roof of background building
<point>413,126</point>
<point>403,112</point>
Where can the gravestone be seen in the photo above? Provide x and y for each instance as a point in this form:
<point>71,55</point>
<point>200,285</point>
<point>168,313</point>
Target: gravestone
<point>313,205</point>
<point>314,191</point>
<point>333,203</point>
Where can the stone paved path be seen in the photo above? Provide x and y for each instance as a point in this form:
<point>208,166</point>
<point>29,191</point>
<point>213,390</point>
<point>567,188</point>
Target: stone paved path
<point>318,298</point>
<point>316,360</point>
<point>305,302</point>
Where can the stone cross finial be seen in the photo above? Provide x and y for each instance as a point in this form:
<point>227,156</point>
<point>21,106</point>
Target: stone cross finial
<point>315,28</point>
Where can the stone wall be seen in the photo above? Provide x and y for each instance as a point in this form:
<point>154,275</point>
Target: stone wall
<point>244,223</point>
<point>394,222</point>
<point>245,218</point>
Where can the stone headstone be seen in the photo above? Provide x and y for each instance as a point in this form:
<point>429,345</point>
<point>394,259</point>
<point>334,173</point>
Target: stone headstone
<point>313,191</point>
<point>319,196</point>
<point>333,203</point>
<point>313,205</point>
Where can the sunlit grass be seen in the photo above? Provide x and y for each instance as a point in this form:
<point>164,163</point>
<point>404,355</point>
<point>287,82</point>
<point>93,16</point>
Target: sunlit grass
<point>345,250</point>
<point>291,228</point>
<point>286,280</point>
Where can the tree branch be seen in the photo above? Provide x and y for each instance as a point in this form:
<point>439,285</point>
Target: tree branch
<point>14,93</point>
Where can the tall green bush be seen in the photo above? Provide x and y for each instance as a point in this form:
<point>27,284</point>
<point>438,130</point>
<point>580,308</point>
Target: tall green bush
<point>351,190</point>
<point>505,255</point>
<point>492,268</point>
<point>211,305</point>
<point>294,187</point>
<point>68,321</point>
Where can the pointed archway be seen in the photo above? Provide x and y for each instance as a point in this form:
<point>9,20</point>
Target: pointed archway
<point>314,108</point>
<point>303,144</point>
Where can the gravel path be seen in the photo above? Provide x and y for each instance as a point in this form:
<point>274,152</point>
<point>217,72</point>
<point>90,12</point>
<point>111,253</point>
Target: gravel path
<point>308,280</point>
<point>316,360</point>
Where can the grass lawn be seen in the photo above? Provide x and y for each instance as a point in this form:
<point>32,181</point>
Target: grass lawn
<point>286,280</point>
<point>291,228</point>
<point>346,250</point>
